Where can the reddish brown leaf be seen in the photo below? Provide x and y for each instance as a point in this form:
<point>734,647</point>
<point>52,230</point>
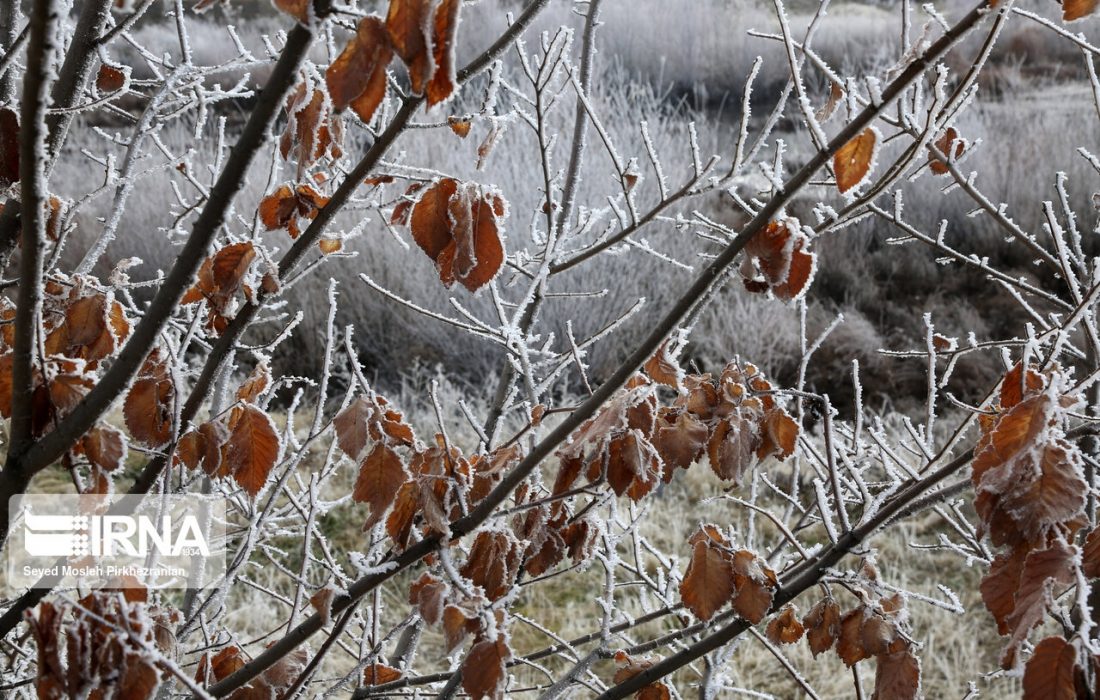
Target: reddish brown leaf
<point>679,439</point>
<point>407,23</point>
<point>897,676</point>
<point>849,644</point>
<point>755,586</point>
<point>377,674</point>
<point>1078,9</point>
<point>663,367</point>
<point>444,27</point>
<point>110,79</point>
<point>785,627</point>
<point>1051,671</point>
<point>429,595</point>
<point>632,465</point>
<point>358,75</point>
<point>1040,501</point>
<point>1090,555</point>
<point>252,449</point>
<point>950,145</point>
<point>484,674</point>
<point>708,582</point>
<point>457,225</point>
<point>256,384</point>
<point>298,9</point>
<point>381,476</point>
<point>461,127</point>
<point>853,161</point>
<point>1042,571</point>
<point>148,410</point>
<point>104,447</point>
<point>823,625</point>
<point>732,446</point>
<point>1015,386</point>
<point>493,563</point>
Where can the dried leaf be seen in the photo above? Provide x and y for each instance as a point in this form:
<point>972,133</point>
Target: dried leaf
<point>897,676</point>
<point>853,161</point>
<point>252,449</point>
<point>111,78</point>
<point>849,644</point>
<point>1078,9</point>
<point>461,127</point>
<point>1051,672</point>
<point>950,145</point>
<point>823,625</point>
<point>377,674</point>
<point>493,563</point>
<point>148,408</point>
<point>381,476</point>
<point>484,674</point>
<point>785,627</point>
<point>679,439</point>
<point>358,75</point>
<point>708,582</point>
<point>457,225</point>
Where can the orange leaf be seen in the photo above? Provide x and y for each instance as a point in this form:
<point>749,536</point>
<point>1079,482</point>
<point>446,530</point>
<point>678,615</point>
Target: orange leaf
<point>457,225</point>
<point>853,161</point>
<point>1078,9</point>
<point>708,582</point>
<point>785,628</point>
<point>358,75</point>
<point>460,126</point>
<point>104,447</point>
<point>663,367</point>
<point>407,23</point>
<point>298,9</point>
<point>679,441</point>
<point>380,478</point>
<point>444,27</point>
<point>950,145</point>
<point>849,643</point>
<point>252,449</point>
<point>377,674</point>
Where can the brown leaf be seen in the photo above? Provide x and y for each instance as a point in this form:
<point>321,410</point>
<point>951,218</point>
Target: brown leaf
<point>381,476</point>
<point>1078,9</point>
<point>377,674</point>
<point>780,435</point>
<point>897,676</point>
<point>785,627</point>
<point>461,127</point>
<point>632,465</point>
<point>836,94</point>
<point>407,23</point>
<point>849,644</point>
<point>9,147</point>
<point>457,225</point>
<point>429,594</point>
<point>358,75</point>
<point>732,447</point>
<point>1090,555</point>
<point>823,625</point>
<point>755,586</point>
<point>1015,386</point>
<point>1042,571</point>
<point>950,145</point>
<point>1051,672</point>
<point>679,439</point>
<point>1038,502</point>
<point>493,563</point>
<point>148,409</point>
<point>484,674</point>
<point>110,79</point>
<point>312,130</point>
<point>256,384</point>
<point>252,449</point>
<point>776,259</point>
<point>708,582</point>
<point>853,161</point>
<point>444,28</point>
<point>298,9</point>
<point>663,367</point>
<point>104,447</point>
